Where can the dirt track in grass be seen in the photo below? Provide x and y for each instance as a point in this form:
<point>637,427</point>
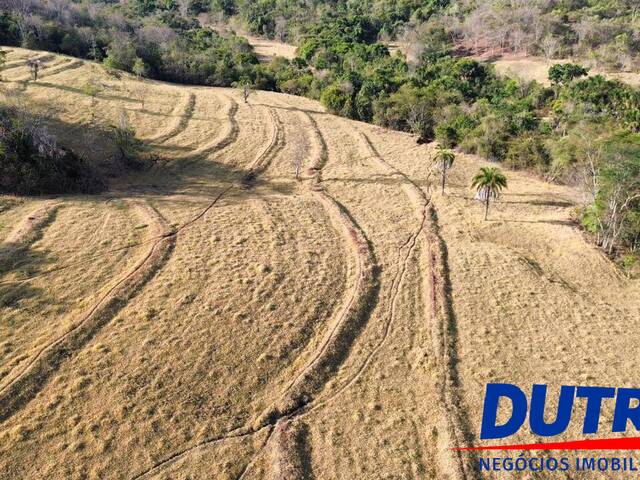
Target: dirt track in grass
<point>217,316</point>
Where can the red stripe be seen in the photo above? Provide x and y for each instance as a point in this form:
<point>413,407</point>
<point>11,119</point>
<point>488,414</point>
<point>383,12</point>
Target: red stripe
<point>632,443</point>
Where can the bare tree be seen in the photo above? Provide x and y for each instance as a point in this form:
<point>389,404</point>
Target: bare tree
<point>549,46</point>
<point>138,91</point>
<point>92,89</point>
<point>298,164</point>
<point>281,29</point>
<point>620,201</point>
<point>247,90</point>
<point>420,120</point>
<point>34,67</point>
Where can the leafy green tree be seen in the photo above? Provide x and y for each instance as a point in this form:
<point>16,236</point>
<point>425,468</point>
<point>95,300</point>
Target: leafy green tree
<point>337,99</point>
<point>9,29</point>
<point>444,158</point>
<point>488,182</point>
<point>227,7</point>
<point>139,68</point>
<point>121,54</point>
<point>92,89</point>
<point>527,152</point>
<point>564,74</point>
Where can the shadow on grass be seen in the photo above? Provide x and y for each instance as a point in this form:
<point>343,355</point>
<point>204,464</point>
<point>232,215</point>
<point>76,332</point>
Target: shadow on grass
<point>452,345</point>
<point>79,91</point>
<point>568,223</point>
<point>22,263</point>
<point>192,173</point>
<point>395,179</point>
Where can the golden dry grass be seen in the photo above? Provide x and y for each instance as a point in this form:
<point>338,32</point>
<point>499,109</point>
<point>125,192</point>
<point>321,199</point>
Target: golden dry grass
<point>535,68</point>
<point>214,317</point>
<point>267,49</point>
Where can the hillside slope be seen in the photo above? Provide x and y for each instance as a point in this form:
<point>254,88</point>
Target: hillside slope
<point>214,317</point>
<point>536,68</point>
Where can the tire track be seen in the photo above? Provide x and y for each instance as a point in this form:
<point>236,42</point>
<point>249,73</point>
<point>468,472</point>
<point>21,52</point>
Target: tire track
<point>442,320</point>
<point>28,382</point>
<point>230,136</point>
<point>182,114</point>
<point>422,203</point>
<point>45,57</point>
<point>259,165</point>
<point>275,145</point>
<point>444,336</point>
<point>27,232</point>
<point>255,457</point>
<point>288,461</point>
<point>354,312</point>
<point>70,64</point>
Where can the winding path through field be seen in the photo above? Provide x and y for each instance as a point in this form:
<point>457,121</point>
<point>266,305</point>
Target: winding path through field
<point>281,296</point>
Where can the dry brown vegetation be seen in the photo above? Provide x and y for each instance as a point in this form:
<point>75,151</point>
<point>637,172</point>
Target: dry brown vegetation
<point>214,317</point>
<point>536,68</point>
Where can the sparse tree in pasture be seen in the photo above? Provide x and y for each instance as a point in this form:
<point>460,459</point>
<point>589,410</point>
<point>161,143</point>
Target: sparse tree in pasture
<point>444,159</point>
<point>92,89</point>
<point>488,182</point>
<point>247,90</point>
<point>124,137</point>
<point>34,68</point>
<point>139,93</point>
<point>298,163</point>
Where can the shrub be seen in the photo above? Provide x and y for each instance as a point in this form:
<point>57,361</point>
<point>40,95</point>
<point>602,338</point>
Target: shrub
<point>32,162</point>
<point>528,152</point>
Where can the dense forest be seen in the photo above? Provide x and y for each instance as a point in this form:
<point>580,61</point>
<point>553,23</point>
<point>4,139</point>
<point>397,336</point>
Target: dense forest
<point>580,130</point>
<point>604,32</point>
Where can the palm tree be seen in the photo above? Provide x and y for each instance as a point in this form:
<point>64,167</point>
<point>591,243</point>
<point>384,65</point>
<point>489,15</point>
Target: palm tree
<point>444,158</point>
<point>488,182</point>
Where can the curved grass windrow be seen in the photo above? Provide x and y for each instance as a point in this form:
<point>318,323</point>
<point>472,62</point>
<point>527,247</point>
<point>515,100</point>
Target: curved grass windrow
<point>28,382</point>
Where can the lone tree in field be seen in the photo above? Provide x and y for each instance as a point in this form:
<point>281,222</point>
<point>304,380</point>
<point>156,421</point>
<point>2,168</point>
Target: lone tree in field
<point>444,158</point>
<point>247,90</point>
<point>124,138</point>
<point>92,89</point>
<point>298,164</point>
<point>34,67</point>
<point>488,182</point>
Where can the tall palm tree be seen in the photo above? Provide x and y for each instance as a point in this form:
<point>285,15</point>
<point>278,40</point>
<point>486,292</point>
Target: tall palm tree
<point>488,182</point>
<point>444,158</point>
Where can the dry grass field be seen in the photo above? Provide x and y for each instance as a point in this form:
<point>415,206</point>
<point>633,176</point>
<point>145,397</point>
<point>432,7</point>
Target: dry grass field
<point>536,68</point>
<point>214,317</point>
